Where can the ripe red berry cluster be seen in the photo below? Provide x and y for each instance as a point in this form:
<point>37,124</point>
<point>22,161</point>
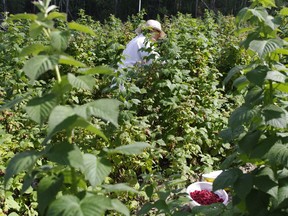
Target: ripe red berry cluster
<point>205,197</point>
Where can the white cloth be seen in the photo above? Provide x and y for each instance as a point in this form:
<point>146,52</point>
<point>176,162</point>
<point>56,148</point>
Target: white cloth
<point>132,53</point>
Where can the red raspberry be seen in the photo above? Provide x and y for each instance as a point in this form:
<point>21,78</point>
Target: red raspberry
<point>205,197</point>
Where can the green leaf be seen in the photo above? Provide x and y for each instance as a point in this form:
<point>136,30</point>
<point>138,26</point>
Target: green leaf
<point>264,47</point>
<point>240,83</point>
<point>258,75</point>
<point>282,198</point>
<point>69,60</point>
<point>215,209</point>
<point>275,116</point>
<point>96,169</point>
<point>242,115</point>
<point>120,207</point>
<point>231,73</point>
<point>268,3</point>
<point>47,190</point>
<point>65,118</point>
<point>84,82</point>
<point>96,70</point>
<point>81,28</point>
<point>33,49</point>
<point>135,148</point>
<point>59,40</point>
<point>39,108</point>
<point>145,208</point>
<point>107,109</point>
<point>265,181</point>
<point>276,76</point>
<point>23,16</point>
<point>57,15</point>
<point>243,185</point>
<point>119,187</point>
<point>226,179</point>
<point>257,202</point>
<point>278,154</point>
<point>23,161</point>
<point>254,95</point>
<point>38,65</point>
<point>69,205</point>
<point>284,11</point>
<point>66,154</point>
<point>248,142</point>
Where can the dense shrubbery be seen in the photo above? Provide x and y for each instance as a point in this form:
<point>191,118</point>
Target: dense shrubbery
<point>177,106</point>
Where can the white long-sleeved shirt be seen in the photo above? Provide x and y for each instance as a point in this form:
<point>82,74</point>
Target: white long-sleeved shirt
<point>132,53</point>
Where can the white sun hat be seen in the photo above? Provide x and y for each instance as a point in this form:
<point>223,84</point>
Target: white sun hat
<point>153,24</point>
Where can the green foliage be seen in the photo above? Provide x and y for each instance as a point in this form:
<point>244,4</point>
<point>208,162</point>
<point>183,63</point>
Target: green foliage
<point>258,126</point>
<point>81,148</point>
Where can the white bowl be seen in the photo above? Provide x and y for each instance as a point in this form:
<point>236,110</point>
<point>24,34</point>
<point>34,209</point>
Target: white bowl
<point>205,186</point>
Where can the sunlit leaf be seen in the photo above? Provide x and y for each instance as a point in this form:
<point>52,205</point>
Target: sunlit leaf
<point>136,148</point>
<point>275,116</point>
<point>81,28</point>
<point>69,60</point>
<point>33,49</point>
<point>23,16</point>
<point>39,108</point>
<point>69,205</point>
<point>96,70</point>
<point>264,47</point>
<point>107,109</point>
<point>119,187</point>
<point>278,154</point>
<point>38,65</point>
<point>84,82</point>
<point>96,169</point>
<point>120,207</point>
<point>60,40</point>
<point>66,154</point>
<point>57,15</point>
<point>266,182</point>
<point>276,76</point>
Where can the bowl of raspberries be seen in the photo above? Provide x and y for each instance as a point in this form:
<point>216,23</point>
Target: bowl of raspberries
<point>201,193</point>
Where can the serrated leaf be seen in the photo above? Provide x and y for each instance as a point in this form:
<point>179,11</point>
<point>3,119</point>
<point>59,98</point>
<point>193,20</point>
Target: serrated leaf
<point>107,109</point>
<point>84,82</point>
<point>23,161</point>
<point>39,108</point>
<point>226,179</point>
<point>38,65</point>
<point>240,83</point>
<point>276,76</point>
<point>120,207</point>
<point>35,30</point>
<point>57,15</point>
<point>119,187</point>
<point>264,47</point>
<point>254,95</point>
<point>248,142</point>
<point>265,181</point>
<point>65,118</point>
<point>59,40</point>
<point>96,169</point>
<point>258,75</point>
<point>96,70</point>
<point>33,49</point>
<point>136,148</point>
<point>81,28</point>
<point>66,154</point>
<point>47,190</point>
<point>275,116</point>
<point>69,205</point>
<point>242,115</point>
<point>69,60</point>
<point>278,154</point>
